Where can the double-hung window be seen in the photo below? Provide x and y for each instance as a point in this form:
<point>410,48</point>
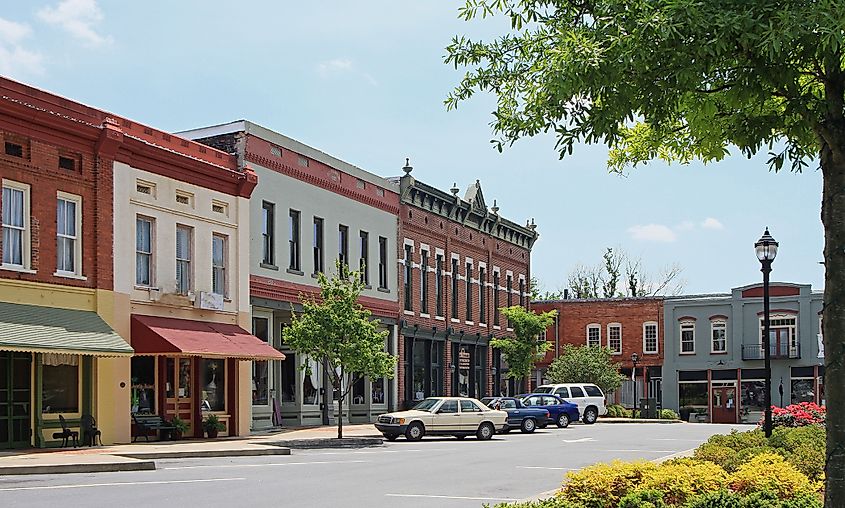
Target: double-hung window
<point>495,298</point>
<point>294,241</point>
<point>343,249</point>
<point>718,332</point>
<point>67,235</point>
<point>268,219</point>
<point>454,312</point>
<point>409,274</point>
<point>594,335</point>
<point>687,337</point>
<point>184,252</point>
<point>382,262</point>
<point>219,253</point>
<point>438,285</point>
<point>424,282</point>
<point>317,245</point>
<point>15,217</point>
<point>650,338</point>
<point>469,292</point>
<point>482,295</point>
<point>144,251</point>
<point>522,292</point>
<point>614,338</point>
<point>363,260</point>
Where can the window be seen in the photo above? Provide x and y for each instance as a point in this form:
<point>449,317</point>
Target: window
<point>509,289</point>
<point>692,394</point>
<point>185,198</point>
<point>783,335</point>
<point>438,285</point>
<point>219,254</point>
<point>363,261</point>
<point>293,241</point>
<point>594,335</point>
<point>317,245</point>
<point>382,262</point>
<point>469,292</point>
<point>268,211</point>
<point>143,251</point>
<point>14,149</point>
<point>60,383</point>
<point>454,288</point>
<point>650,338</point>
<point>424,282</point>
<point>220,207</point>
<point>803,390</point>
<point>213,374</point>
<point>688,338</point>
<point>15,216</point>
<point>143,384</point>
<point>343,248</point>
<point>449,406</point>
<point>67,163</point>
<point>302,161</point>
<point>482,295</point>
<point>614,338</point>
<point>718,333</point>
<point>409,266</point>
<point>261,368</point>
<point>577,392</point>
<point>183,259</point>
<point>562,392</point>
<point>495,298</point>
<point>468,406</point>
<point>67,235</point>
<point>753,395</point>
<point>593,391</point>
<point>522,292</point>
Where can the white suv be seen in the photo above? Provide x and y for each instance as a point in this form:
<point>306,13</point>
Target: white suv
<point>588,397</point>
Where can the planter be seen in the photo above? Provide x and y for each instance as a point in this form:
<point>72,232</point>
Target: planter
<point>212,433</point>
<point>175,435</point>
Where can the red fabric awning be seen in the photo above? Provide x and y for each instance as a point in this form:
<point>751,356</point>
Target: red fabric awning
<point>153,335</point>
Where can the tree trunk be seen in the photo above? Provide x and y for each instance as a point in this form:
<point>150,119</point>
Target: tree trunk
<point>833,217</point>
<point>340,405</point>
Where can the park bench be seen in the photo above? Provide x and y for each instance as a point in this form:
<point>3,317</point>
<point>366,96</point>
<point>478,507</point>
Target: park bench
<point>146,424</point>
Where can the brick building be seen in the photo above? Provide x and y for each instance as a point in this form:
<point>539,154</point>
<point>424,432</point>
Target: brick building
<point>459,261</point>
<point>625,325</point>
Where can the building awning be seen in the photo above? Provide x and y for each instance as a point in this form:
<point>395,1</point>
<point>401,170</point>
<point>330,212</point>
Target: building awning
<point>35,329</point>
<point>153,335</point>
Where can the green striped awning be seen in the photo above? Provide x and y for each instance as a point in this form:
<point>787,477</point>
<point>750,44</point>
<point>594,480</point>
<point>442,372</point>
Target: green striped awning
<point>34,329</point>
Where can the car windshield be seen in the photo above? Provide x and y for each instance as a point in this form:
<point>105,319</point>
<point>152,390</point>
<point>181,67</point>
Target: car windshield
<point>487,400</point>
<point>543,389</point>
<point>426,405</point>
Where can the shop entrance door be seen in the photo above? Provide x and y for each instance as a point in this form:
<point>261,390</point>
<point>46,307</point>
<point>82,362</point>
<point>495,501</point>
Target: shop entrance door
<point>724,404</point>
<point>15,399</point>
<point>179,391</point>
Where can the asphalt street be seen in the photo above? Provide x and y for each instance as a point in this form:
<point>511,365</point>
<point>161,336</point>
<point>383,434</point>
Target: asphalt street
<point>433,472</point>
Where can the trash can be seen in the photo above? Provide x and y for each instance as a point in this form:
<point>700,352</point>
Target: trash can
<point>648,408</point>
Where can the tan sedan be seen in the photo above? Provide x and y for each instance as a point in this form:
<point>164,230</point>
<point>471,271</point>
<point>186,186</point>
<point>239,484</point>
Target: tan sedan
<point>451,416</point>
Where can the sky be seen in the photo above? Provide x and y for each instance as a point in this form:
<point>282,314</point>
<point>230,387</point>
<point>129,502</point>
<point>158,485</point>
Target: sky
<point>365,82</point>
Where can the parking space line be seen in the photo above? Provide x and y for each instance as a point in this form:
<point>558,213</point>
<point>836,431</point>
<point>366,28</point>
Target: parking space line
<point>119,484</point>
<point>271,464</point>
<point>463,498</point>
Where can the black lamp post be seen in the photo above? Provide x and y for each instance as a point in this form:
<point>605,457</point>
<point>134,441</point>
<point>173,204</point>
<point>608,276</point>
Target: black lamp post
<point>766,249</point>
<point>634,359</point>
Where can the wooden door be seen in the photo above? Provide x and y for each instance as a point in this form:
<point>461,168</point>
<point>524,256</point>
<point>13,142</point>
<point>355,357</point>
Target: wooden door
<point>179,391</point>
<point>15,399</point>
<point>723,404</point>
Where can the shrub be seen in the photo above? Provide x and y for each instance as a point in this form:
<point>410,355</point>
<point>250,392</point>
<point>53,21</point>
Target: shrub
<point>718,499</point>
<point>682,479</point>
<point>717,454</point>
<point>668,414</point>
<point>643,499</point>
<point>740,440</point>
<point>726,499</point>
<point>798,415</point>
<point>769,472</point>
<point>552,502</point>
<point>603,485</point>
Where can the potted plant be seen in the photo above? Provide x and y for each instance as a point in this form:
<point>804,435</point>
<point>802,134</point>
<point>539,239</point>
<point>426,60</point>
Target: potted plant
<point>181,426</point>
<point>685,413</point>
<point>212,425</point>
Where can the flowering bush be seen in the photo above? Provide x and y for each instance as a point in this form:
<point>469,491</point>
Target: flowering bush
<point>798,415</point>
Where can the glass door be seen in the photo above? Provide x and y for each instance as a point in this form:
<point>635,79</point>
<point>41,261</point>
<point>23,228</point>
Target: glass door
<point>15,399</point>
<point>178,391</point>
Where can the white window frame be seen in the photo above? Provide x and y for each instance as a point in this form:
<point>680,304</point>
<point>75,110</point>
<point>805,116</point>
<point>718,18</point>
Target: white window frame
<point>794,339</point>
<point>714,325</point>
<point>222,268</point>
<point>646,349</point>
<point>686,326</point>
<point>151,254</point>
<point>610,327</point>
<point>597,327</point>
<point>26,235</point>
<point>188,260</point>
<point>76,238</point>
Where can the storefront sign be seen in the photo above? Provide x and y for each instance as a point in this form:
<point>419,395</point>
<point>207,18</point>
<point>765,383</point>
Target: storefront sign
<point>463,359</point>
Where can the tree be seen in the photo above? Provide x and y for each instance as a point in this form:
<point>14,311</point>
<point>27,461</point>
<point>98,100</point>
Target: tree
<point>526,346</point>
<point>586,364</point>
<point>603,280</point>
<point>538,294</point>
<point>680,80</point>
<point>337,331</point>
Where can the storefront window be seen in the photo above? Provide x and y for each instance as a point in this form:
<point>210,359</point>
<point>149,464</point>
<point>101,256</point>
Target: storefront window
<point>802,391</point>
<point>143,384</point>
<point>60,383</point>
<point>184,378</point>
<point>480,378</point>
<point>692,394</point>
<point>170,385</point>
<point>213,385</point>
<point>378,391</point>
<point>261,369</point>
<point>463,359</point>
<point>311,383</point>
<point>822,400</point>
<point>358,390</point>
<point>753,395</point>
<point>420,367</point>
<point>289,378</point>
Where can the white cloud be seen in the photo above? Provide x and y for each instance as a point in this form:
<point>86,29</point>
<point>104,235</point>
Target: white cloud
<point>711,223</point>
<point>652,233</point>
<point>15,60</point>
<point>339,66</point>
<point>78,18</point>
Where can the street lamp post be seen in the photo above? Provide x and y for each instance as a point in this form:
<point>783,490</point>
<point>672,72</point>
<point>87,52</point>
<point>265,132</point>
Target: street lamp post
<point>766,249</point>
<point>634,359</point>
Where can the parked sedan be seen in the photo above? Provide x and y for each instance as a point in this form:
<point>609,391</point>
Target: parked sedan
<point>561,411</point>
<point>520,416</point>
<point>455,416</point>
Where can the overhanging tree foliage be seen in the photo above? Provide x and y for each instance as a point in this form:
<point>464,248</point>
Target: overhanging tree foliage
<point>526,346</point>
<point>681,80</point>
<point>337,331</point>
<point>586,364</point>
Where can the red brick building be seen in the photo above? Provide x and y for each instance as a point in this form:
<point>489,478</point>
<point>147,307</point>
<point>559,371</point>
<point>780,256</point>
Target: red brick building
<point>459,262</point>
<point>625,325</point>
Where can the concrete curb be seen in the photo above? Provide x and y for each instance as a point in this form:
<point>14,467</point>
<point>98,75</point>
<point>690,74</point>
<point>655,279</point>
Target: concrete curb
<point>635,420</point>
<point>245,452</point>
<point>330,442</point>
<point>97,467</point>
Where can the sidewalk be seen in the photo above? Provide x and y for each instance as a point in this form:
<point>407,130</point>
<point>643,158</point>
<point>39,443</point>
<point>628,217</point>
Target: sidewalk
<point>141,455</point>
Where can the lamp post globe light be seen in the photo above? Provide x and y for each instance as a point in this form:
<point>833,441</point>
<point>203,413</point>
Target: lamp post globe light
<point>766,249</point>
<point>634,359</point>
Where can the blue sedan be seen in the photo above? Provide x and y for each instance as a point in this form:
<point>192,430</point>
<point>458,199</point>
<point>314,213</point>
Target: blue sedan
<point>526,419</point>
<point>562,412</point>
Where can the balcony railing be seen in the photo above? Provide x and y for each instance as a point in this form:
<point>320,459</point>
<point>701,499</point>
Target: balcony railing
<point>777,351</point>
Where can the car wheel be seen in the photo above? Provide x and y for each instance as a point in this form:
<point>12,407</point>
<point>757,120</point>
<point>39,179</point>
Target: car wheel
<point>415,431</point>
<point>485,431</point>
<point>591,414</point>
<point>391,437</point>
<point>563,421</point>
<point>528,425</point>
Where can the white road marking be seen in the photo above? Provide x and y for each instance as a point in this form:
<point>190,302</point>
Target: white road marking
<point>271,464</point>
<point>465,498</point>
<point>552,468</point>
<point>640,451</point>
<point>374,452</point>
<point>672,439</point>
<point>582,440</point>
<point>120,484</point>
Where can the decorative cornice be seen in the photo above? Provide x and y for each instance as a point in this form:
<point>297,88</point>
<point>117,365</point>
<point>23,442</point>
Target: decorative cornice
<point>273,289</point>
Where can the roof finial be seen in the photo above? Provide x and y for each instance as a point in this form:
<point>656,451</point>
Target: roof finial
<point>455,190</point>
<point>494,208</point>
<point>532,226</point>
<point>408,168</point>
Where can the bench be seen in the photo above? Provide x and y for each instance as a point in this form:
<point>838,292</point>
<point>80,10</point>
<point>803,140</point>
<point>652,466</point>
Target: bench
<point>146,424</point>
